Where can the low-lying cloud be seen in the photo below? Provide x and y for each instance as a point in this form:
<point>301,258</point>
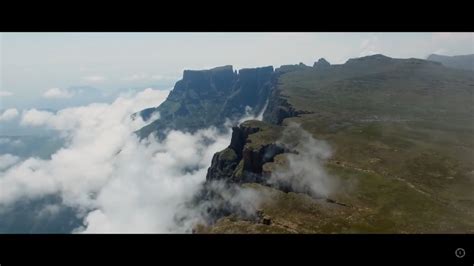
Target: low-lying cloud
<point>116,182</point>
<point>304,171</point>
<point>219,198</point>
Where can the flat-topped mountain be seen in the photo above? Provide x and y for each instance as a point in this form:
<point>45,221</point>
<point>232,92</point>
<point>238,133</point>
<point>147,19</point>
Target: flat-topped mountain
<point>206,98</point>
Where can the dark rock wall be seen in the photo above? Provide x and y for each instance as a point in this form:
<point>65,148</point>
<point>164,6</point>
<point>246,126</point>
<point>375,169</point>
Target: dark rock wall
<point>241,162</point>
<point>209,97</point>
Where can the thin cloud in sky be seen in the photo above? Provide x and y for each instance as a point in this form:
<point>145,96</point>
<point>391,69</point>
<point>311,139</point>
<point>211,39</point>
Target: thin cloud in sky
<point>96,78</point>
<point>140,76</point>
<point>57,93</point>
<point>5,93</point>
<point>144,77</point>
<point>370,46</point>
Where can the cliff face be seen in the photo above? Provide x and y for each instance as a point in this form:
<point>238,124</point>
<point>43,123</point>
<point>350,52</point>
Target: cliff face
<point>206,98</point>
<point>278,109</point>
<point>252,146</point>
<point>251,88</point>
<point>253,143</point>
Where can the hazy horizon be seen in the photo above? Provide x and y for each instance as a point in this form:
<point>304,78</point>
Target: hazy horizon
<point>37,69</point>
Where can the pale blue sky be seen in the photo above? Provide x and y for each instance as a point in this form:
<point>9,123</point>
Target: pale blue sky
<point>32,63</point>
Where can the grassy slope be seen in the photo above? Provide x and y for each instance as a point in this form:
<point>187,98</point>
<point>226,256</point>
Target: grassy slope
<point>403,140</point>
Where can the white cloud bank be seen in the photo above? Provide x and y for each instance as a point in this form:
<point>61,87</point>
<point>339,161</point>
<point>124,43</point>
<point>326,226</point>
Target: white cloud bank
<point>9,114</point>
<point>57,93</point>
<point>117,183</point>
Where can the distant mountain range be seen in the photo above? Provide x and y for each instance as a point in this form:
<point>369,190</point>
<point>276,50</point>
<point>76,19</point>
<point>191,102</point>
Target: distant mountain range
<point>458,61</point>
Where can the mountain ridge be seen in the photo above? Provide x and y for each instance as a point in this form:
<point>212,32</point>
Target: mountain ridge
<point>465,62</point>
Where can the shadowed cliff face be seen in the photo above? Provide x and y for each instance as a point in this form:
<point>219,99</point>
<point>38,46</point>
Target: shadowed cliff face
<point>209,97</point>
<point>279,109</point>
<point>252,145</point>
<point>242,161</point>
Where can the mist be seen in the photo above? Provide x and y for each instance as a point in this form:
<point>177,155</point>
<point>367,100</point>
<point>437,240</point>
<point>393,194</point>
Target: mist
<point>114,181</point>
<point>117,183</point>
<point>304,170</point>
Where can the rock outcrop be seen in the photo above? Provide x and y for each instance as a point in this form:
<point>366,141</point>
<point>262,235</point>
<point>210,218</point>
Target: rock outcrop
<point>278,109</point>
<point>252,145</point>
<point>321,63</point>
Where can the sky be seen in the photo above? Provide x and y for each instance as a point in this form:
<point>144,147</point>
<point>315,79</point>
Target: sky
<point>38,68</point>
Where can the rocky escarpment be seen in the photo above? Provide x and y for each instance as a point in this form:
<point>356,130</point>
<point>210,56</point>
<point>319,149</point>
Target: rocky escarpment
<point>206,98</point>
<point>278,109</point>
<point>252,145</point>
<point>278,106</point>
<point>252,88</point>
